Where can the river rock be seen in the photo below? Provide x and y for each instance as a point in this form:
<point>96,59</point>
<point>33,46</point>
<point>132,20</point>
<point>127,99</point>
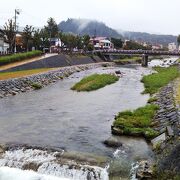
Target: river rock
<point>144,170</point>
<point>19,85</point>
<point>112,142</point>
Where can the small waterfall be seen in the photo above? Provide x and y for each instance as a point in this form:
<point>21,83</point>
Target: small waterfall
<point>50,163</point>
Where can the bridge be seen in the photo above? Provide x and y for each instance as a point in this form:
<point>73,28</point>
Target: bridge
<point>143,53</point>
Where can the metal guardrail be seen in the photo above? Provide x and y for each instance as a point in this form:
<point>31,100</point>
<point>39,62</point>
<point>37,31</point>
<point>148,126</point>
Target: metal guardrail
<point>138,52</point>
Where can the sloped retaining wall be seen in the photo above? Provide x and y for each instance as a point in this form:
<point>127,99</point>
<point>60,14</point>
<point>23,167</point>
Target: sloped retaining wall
<point>167,152</point>
<point>19,85</point>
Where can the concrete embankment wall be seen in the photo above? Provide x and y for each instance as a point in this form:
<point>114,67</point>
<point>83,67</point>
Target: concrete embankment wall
<point>18,85</point>
<point>57,61</point>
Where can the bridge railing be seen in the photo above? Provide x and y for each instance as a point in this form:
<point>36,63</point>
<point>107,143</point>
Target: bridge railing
<point>148,52</point>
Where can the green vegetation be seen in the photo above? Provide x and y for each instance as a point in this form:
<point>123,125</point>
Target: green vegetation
<point>17,74</point>
<point>137,122</point>
<point>128,59</point>
<point>177,95</point>
<point>36,86</point>
<point>94,82</point>
<point>18,57</point>
<point>152,99</point>
<point>155,81</point>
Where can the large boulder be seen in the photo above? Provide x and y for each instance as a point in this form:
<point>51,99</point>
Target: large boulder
<point>112,142</point>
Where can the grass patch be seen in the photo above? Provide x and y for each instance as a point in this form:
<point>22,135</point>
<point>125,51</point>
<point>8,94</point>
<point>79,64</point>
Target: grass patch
<point>36,86</point>
<point>152,99</point>
<point>155,81</point>
<point>95,81</point>
<point>17,74</point>
<point>137,122</point>
<point>19,57</point>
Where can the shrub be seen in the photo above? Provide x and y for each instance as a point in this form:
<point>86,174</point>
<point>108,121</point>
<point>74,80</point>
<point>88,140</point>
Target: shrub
<point>18,57</point>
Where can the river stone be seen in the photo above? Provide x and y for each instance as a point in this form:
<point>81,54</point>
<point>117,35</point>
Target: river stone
<point>112,142</point>
<point>31,166</point>
<point>144,170</point>
<point>158,139</point>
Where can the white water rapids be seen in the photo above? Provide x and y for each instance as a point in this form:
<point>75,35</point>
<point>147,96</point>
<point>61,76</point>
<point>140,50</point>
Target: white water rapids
<point>47,165</point>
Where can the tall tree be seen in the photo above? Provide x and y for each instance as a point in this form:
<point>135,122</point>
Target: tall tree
<point>27,37</point>
<point>118,43</point>
<point>178,40</point>
<point>37,41</point>
<point>9,30</point>
<point>44,38</point>
<point>52,28</point>
<point>86,40</point>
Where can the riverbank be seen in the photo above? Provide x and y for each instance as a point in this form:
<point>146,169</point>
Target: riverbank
<point>24,84</point>
<point>167,146</point>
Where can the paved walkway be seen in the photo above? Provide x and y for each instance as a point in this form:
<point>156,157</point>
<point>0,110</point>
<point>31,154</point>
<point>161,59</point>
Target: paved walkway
<point>25,61</point>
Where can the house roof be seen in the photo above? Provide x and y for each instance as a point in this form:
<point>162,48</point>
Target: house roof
<point>99,38</point>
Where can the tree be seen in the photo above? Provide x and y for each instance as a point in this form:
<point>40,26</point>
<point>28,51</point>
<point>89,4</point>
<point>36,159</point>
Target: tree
<point>52,28</point>
<point>132,45</point>
<point>44,38</point>
<point>118,43</point>
<point>37,41</point>
<point>9,30</point>
<point>27,37</point>
<point>86,40</point>
<point>178,40</point>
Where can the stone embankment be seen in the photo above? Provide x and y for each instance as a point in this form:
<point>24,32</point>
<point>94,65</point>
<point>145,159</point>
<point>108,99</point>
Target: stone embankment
<point>24,84</point>
<point>167,145</point>
<point>166,118</point>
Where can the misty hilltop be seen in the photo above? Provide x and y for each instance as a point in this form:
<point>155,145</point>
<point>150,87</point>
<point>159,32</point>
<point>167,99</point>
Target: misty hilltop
<point>86,26</point>
<point>150,38</point>
<point>93,27</point>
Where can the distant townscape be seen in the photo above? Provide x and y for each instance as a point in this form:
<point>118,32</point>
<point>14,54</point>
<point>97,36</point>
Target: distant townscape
<point>78,35</point>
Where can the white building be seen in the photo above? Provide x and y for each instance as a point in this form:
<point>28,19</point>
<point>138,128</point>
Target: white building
<point>3,46</point>
<point>172,47</point>
<point>101,43</point>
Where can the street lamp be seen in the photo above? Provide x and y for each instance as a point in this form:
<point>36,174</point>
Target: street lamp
<point>17,12</point>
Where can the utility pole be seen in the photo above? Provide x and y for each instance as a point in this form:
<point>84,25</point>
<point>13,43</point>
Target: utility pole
<point>17,12</point>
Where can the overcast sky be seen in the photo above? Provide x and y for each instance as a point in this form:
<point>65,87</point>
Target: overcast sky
<point>154,16</point>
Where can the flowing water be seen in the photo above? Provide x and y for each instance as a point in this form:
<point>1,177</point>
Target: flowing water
<point>76,122</point>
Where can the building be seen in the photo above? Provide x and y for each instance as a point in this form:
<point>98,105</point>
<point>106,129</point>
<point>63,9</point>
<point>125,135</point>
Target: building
<point>3,45</point>
<point>172,47</point>
<point>101,43</point>
<point>157,47</point>
<point>55,45</point>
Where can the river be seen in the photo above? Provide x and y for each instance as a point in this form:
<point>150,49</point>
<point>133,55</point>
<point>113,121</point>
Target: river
<point>77,122</point>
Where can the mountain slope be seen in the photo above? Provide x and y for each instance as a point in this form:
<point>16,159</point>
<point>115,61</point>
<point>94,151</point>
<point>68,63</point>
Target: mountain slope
<point>150,38</point>
<point>85,26</point>
<point>93,27</point>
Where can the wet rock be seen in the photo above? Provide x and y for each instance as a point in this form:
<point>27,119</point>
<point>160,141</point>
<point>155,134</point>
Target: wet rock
<point>118,72</point>
<point>144,170</point>
<point>158,139</point>
<point>31,166</point>
<point>13,93</point>
<point>112,142</point>
<point>2,149</point>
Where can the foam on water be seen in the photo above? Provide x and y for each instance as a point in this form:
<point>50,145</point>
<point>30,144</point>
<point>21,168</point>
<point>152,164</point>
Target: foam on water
<point>163,63</point>
<point>46,163</point>
<point>7,173</point>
